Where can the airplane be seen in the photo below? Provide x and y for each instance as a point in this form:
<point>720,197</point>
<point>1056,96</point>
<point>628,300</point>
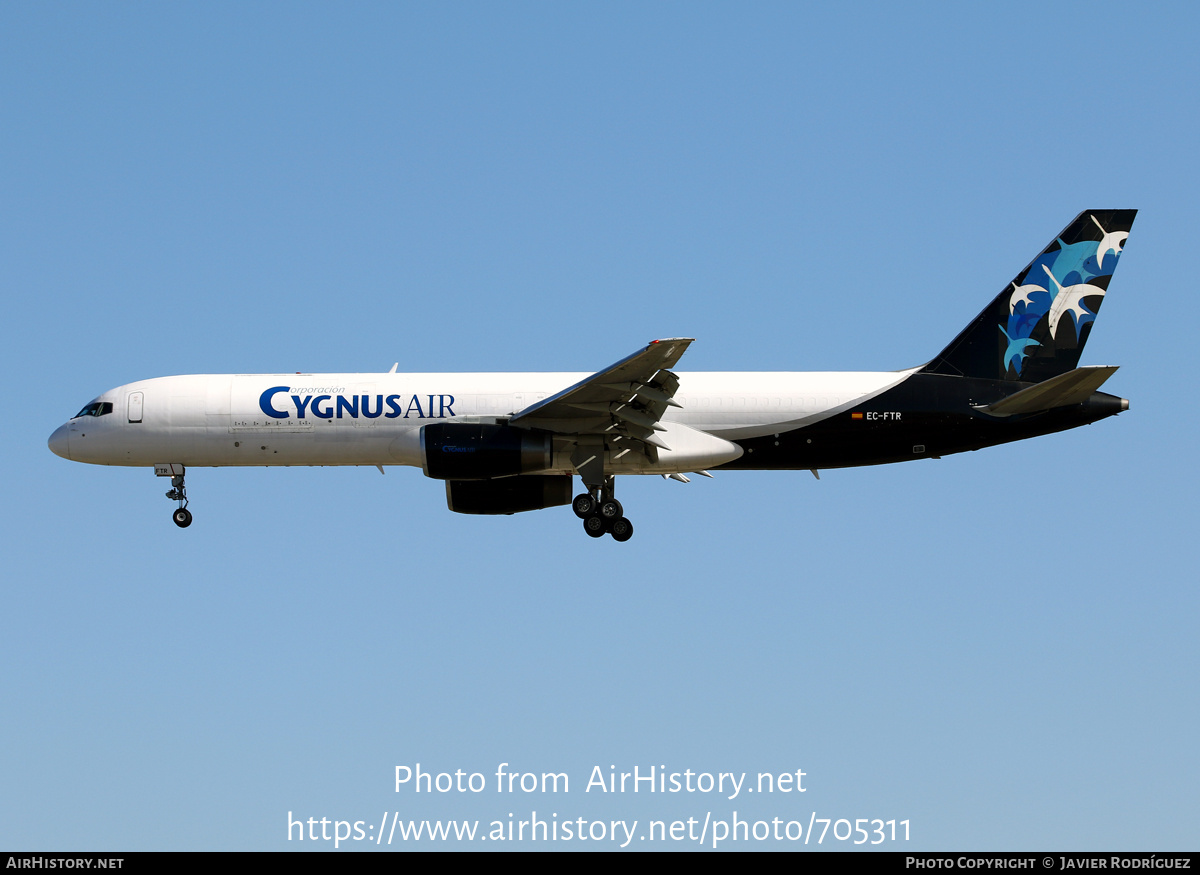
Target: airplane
<point>507,443</point>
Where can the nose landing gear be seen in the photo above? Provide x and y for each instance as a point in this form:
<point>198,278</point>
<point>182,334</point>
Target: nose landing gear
<point>181,516</point>
<point>601,513</point>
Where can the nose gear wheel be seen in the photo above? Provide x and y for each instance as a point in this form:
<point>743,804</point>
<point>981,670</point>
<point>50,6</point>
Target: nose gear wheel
<point>181,516</point>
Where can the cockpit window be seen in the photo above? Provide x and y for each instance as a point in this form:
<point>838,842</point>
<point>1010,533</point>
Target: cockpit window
<point>96,408</point>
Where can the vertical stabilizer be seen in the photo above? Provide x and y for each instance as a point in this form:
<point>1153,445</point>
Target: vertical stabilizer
<point>1036,327</point>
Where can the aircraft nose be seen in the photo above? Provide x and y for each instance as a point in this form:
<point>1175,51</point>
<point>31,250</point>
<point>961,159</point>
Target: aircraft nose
<point>58,441</point>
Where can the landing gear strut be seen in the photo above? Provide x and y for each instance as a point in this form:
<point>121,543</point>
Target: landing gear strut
<point>178,492</point>
<point>601,513</point>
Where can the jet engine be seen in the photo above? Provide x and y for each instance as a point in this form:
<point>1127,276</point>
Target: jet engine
<point>469,451</point>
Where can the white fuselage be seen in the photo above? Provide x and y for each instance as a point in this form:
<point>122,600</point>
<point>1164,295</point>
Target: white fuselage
<point>375,419</point>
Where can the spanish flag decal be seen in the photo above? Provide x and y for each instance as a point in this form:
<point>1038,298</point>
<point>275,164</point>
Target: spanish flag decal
<point>856,416</point>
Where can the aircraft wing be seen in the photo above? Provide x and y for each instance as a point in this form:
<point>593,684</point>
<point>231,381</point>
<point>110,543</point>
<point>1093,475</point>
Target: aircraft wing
<point>621,404</point>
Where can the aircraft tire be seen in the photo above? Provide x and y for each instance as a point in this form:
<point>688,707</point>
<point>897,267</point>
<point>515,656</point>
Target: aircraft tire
<point>182,517</point>
<point>595,526</point>
<point>621,529</point>
<point>583,505</point>
<point>611,510</point>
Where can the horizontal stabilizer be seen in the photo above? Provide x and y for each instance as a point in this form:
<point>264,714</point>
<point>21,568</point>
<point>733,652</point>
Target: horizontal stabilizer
<point>1073,387</point>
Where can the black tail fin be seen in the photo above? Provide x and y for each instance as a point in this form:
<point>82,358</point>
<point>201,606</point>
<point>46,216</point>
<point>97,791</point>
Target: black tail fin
<point>1036,328</point>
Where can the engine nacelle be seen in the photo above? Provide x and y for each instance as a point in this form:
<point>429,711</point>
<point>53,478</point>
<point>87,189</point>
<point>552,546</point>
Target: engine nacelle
<point>468,451</point>
<point>508,494</point>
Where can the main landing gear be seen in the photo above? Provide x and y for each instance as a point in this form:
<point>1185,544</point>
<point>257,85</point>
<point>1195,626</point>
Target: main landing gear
<point>182,516</point>
<point>602,514</point>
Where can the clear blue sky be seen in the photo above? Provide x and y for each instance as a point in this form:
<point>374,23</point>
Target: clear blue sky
<point>999,647</point>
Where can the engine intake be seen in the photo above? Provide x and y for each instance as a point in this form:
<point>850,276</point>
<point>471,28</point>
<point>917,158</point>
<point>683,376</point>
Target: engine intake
<point>466,451</point>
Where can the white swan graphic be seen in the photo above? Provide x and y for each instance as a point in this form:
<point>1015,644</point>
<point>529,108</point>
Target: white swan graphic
<point>1110,242</point>
<point>1069,299</point>
<point>1022,294</point>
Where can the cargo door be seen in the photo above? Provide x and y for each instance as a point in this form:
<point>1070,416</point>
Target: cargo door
<point>216,402</point>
